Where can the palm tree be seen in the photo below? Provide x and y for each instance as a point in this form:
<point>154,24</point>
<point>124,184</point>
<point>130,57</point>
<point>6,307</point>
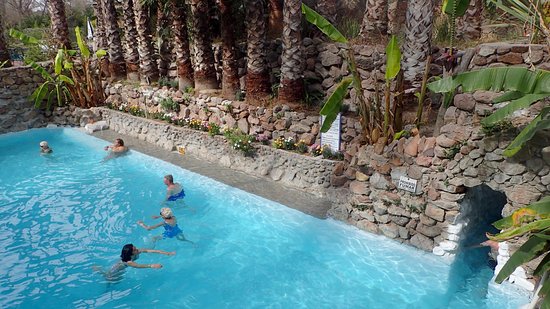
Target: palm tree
<point>163,36</point>
<point>147,65</point>
<point>178,10</point>
<point>100,42</point>
<point>469,25</point>
<point>375,20</point>
<point>230,77</point>
<point>130,39</point>
<point>275,18</point>
<point>205,75</point>
<point>417,43</point>
<point>328,9</point>
<point>4,54</point>
<point>257,75</point>
<point>393,17</point>
<point>60,30</point>
<point>292,69</point>
<point>117,65</point>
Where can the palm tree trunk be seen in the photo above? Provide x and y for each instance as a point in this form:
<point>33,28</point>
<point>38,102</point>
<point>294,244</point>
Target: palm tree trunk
<point>163,24</point>
<point>375,20</point>
<point>60,30</point>
<point>292,69</point>
<point>393,17</point>
<point>257,75</point>
<point>417,45</point>
<point>117,65</point>
<point>230,77</point>
<point>4,54</point>
<point>205,75</point>
<point>178,10</point>
<point>275,29</point>
<point>328,9</point>
<point>100,41</point>
<point>469,25</point>
<point>147,65</point>
<point>130,40</point>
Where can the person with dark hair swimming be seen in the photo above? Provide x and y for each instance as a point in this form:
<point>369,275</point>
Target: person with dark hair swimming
<point>129,254</point>
<point>170,224</point>
<point>174,191</point>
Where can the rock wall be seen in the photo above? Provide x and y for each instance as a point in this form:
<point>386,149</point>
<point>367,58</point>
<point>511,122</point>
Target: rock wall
<point>307,173</point>
<point>505,54</point>
<point>270,122</point>
<point>16,109</point>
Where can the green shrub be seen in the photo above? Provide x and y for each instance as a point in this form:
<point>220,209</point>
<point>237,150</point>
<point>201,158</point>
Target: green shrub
<point>169,105</point>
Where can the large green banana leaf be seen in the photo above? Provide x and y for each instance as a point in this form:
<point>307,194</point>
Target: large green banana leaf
<point>334,103</point>
<point>455,8</point>
<point>393,58</point>
<point>22,37</point>
<point>541,207</point>
<point>535,226</point>
<point>84,51</point>
<point>324,25</point>
<point>531,249</point>
<point>541,122</point>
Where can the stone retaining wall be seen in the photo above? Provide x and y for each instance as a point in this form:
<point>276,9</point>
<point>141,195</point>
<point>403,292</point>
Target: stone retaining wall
<point>16,110</point>
<point>307,173</point>
<point>505,54</point>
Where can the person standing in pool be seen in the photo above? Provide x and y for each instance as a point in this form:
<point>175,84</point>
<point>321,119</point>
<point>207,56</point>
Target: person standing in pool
<point>117,146</point>
<point>129,254</point>
<point>170,224</point>
<point>45,148</point>
<point>174,191</point>
<point>117,149</point>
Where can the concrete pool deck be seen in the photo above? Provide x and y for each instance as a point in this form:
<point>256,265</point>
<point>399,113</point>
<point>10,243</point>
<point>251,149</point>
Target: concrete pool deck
<point>296,199</point>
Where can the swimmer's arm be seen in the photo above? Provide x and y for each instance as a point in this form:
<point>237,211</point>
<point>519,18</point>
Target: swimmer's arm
<point>158,251</point>
<point>136,265</point>
<point>149,227</point>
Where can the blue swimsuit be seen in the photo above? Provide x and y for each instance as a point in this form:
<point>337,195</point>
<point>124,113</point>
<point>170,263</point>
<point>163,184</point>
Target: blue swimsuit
<point>177,196</point>
<point>171,231</point>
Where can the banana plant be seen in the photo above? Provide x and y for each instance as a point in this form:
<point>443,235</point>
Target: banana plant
<point>55,87</point>
<point>371,121</point>
<point>522,88</point>
<point>83,88</point>
<point>533,220</point>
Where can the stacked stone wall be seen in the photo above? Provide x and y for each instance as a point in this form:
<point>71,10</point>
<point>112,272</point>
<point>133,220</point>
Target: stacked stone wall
<point>16,109</point>
<point>298,171</point>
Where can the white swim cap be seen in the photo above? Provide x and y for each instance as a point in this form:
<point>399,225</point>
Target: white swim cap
<point>43,144</point>
<point>166,212</point>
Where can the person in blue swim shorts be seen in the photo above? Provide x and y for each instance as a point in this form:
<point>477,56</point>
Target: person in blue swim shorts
<point>170,224</point>
<point>174,191</point>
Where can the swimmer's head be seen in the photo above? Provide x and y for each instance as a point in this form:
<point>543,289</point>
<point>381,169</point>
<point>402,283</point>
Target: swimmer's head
<point>166,213</point>
<point>168,179</point>
<point>44,144</point>
<point>119,141</point>
<point>127,252</point>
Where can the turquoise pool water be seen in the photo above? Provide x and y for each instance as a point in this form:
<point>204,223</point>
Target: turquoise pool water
<point>63,213</point>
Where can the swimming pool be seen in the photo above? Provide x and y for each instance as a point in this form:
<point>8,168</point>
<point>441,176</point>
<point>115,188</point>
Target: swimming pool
<point>61,214</point>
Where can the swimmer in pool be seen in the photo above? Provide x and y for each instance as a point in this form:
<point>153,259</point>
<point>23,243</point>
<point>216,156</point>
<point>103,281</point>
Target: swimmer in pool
<point>129,254</point>
<point>116,149</point>
<point>174,191</point>
<point>45,148</point>
<point>170,224</point>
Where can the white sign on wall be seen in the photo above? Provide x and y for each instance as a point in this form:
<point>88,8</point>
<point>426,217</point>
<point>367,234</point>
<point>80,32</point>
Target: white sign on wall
<point>332,136</point>
<point>407,184</point>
